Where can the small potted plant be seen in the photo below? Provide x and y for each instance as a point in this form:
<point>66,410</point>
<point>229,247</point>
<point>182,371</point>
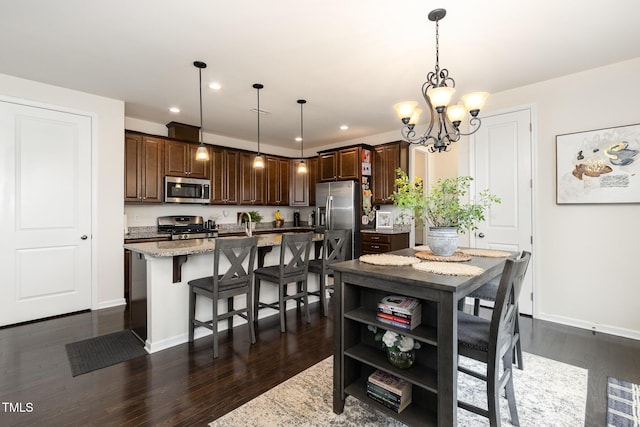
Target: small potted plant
<point>442,209</point>
<point>256,217</point>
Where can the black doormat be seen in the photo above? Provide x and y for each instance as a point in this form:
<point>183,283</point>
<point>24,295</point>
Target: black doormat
<point>106,350</point>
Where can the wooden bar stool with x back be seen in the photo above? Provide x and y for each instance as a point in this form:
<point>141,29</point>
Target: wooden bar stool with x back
<point>298,245</point>
<point>490,342</point>
<point>334,249</point>
<point>237,280</point>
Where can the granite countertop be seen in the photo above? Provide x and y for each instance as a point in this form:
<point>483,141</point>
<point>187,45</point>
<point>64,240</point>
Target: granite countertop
<point>151,232</point>
<point>197,246</point>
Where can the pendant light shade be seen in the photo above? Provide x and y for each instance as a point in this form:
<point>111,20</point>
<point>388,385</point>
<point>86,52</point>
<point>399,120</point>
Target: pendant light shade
<point>302,167</point>
<point>202,153</point>
<point>258,162</point>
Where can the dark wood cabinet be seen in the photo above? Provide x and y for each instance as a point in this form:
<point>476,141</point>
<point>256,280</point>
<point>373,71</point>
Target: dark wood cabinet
<point>299,194</point>
<point>349,165</point>
<point>251,181</point>
<point>277,181</point>
<point>224,175</point>
<point>378,243</point>
<point>180,160</point>
<point>328,166</point>
<point>312,172</point>
<point>386,159</point>
<point>143,168</point>
<point>343,164</point>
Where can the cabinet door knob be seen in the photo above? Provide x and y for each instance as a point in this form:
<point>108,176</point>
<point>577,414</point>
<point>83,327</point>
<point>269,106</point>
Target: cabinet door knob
<point>84,237</point>
<point>481,235</point>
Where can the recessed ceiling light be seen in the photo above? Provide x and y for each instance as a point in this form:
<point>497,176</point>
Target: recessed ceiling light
<point>215,86</point>
<point>344,127</point>
<point>298,139</point>
<point>174,109</point>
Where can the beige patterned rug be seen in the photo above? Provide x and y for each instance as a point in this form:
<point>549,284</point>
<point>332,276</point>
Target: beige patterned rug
<point>548,393</point>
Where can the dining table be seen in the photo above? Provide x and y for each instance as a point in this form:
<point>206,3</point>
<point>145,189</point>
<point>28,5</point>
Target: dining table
<point>359,286</point>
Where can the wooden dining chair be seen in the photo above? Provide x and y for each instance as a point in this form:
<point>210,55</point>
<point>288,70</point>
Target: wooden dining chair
<point>490,341</point>
<point>297,246</point>
<point>334,249</point>
<point>488,292</point>
<point>237,280</point>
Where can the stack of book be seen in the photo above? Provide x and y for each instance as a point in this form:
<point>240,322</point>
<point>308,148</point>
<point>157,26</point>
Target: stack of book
<point>389,390</point>
<point>399,311</point>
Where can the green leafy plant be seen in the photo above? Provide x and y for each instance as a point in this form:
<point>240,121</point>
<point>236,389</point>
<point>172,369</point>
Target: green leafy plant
<point>441,205</point>
<point>255,216</point>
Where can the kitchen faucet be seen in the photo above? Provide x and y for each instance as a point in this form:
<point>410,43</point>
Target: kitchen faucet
<point>247,226</point>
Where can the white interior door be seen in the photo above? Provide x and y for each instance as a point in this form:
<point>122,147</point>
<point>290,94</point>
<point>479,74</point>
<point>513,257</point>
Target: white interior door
<point>45,216</point>
<point>502,163</point>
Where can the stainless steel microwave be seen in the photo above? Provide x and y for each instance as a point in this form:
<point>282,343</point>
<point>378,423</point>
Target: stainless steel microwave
<point>186,190</point>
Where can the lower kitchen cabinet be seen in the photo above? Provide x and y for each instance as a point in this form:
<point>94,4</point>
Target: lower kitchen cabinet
<point>379,243</point>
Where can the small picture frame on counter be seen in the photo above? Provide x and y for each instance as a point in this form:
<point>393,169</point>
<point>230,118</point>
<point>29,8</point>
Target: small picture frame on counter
<point>384,219</point>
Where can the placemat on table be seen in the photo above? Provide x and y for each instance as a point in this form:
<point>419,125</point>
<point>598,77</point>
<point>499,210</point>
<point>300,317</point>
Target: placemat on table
<point>456,257</point>
<point>489,253</point>
<point>387,259</point>
<point>449,269</point>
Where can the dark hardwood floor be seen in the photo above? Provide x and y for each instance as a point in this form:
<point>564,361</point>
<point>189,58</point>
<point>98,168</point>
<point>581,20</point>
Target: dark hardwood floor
<point>185,386</point>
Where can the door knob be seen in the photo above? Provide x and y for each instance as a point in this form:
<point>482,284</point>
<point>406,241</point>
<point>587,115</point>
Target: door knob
<point>481,235</point>
<point>83,237</point>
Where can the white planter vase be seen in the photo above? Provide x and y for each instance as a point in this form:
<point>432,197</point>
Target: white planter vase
<point>443,241</point>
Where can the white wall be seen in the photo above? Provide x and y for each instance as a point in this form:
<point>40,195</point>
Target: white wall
<point>585,254</point>
<point>108,176</point>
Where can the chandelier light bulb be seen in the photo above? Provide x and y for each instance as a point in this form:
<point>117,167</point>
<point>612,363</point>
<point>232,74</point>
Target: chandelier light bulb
<point>475,101</point>
<point>456,113</point>
<point>440,96</point>
<point>405,109</point>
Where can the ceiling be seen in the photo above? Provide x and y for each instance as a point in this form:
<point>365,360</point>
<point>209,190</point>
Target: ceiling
<point>352,60</point>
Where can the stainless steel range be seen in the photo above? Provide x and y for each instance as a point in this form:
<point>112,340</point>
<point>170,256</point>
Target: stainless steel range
<point>186,227</point>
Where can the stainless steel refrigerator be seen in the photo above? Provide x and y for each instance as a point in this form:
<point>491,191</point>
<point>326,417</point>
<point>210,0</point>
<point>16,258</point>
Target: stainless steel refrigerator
<point>338,208</point>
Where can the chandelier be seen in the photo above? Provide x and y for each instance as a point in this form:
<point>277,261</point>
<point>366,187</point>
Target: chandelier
<point>444,120</point>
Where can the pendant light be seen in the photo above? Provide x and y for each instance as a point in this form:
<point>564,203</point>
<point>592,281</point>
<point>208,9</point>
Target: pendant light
<point>258,162</point>
<point>201,153</point>
<point>302,168</point>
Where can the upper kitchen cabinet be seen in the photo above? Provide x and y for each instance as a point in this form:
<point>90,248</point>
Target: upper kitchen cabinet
<point>299,195</point>
<point>277,182</point>
<point>312,172</point>
<point>386,159</point>
<point>343,164</point>
<point>224,175</point>
<point>251,181</point>
<point>328,166</point>
<point>143,168</point>
<point>180,160</point>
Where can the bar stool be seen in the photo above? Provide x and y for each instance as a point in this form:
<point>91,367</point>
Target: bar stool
<point>236,281</point>
<point>490,341</point>
<point>334,249</point>
<point>296,270</point>
<point>489,292</point>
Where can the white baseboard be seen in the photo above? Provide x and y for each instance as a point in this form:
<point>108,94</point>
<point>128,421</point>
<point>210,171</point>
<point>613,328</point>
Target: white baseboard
<point>607,329</point>
<point>111,303</point>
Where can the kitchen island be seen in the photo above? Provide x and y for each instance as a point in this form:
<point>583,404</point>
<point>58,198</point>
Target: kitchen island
<point>160,272</point>
<point>358,289</point>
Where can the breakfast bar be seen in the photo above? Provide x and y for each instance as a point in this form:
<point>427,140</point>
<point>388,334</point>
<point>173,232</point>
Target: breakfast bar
<point>358,288</point>
<point>159,302</point>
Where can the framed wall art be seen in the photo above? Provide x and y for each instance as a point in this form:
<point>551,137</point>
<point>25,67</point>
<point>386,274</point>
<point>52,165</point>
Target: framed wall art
<point>384,219</point>
<point>599,166</point>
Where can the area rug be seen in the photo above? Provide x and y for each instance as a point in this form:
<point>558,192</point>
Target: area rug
<point>548,393</point>
<point>106,350</point>
<point>623,403</point>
